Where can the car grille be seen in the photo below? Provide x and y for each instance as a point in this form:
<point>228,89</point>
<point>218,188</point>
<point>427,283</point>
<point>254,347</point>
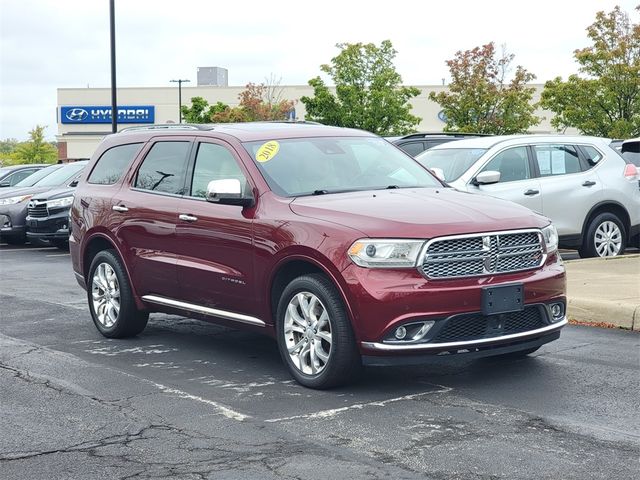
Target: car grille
<point>482,254</point>
<point>475,326</point>
<point>38,210</point>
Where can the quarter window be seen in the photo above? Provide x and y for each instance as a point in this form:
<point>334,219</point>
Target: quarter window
<point>214,162</point>
<point>112,164</point>
<point>164,168</point>
<point>513,164</point>
<point>557,159</point>
<point>593,155</point>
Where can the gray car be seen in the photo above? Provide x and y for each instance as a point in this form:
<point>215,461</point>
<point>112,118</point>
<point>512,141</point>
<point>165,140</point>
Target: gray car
<point>580,183</point>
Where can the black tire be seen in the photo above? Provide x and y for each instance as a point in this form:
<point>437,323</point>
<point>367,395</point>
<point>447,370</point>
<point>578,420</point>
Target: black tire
<point>588,248</point>
<point>344,361</point>
<point>129,321</point>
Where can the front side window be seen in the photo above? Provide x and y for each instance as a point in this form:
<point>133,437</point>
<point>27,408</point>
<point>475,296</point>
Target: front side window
<point>512,163</point>
<point>556,159</point>
<point>319,165</point>
<point>164,168</point>
<point>112,164</point>
<point>214,162</point>
<point>452,161</point>
<point>17,177</point>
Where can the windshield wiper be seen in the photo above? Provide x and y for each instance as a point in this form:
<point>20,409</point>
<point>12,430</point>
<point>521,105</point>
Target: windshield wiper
<point>389,187</point>
<point>320,192</point>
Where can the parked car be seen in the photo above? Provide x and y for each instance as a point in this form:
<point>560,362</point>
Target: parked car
<point>416,143</point>
<point>580,183</point>
<point>630,151</point>
<point>13,174</point>
<point>48,217</point>
<point>14,201</point>
<point>331,240</point>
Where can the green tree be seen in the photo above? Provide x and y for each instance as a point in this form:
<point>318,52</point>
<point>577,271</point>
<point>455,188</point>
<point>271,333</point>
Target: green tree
<point>8,145</point>
<point>480,99</point>
<point>369,92</point>
<point>606,100</point>
<point>200,111</point>
<point>36,150</point>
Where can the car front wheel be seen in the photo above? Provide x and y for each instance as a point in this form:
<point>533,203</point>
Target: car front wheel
<point>315,337</point>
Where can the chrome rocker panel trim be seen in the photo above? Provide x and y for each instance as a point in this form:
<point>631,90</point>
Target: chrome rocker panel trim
<point>191,307</point>
<point>467,344</point>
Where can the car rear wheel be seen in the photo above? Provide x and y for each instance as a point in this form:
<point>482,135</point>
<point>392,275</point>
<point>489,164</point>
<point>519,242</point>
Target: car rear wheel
<point>111,300</point>
<point>315,337</point>
<point>605,237</point>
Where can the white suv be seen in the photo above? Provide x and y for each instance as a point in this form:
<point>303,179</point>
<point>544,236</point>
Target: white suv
<point>584,186</point>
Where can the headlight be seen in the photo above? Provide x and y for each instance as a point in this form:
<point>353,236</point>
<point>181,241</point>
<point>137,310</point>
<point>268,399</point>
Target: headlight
<point>550,235</point>
<point>14,200</point>
<point>60,202</point>
<point>385,253</point>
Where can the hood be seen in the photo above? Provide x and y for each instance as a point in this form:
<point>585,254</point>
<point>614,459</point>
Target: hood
<point>417,212</point>
<point>15,192</point>
<point>55,193</point>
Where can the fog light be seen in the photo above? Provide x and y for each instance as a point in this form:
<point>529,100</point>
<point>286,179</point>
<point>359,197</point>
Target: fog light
<point>557,311</point>
<point>401,332</point>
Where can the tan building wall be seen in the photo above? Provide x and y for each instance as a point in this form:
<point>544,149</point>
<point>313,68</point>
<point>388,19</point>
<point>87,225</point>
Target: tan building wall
<point>81,139</point>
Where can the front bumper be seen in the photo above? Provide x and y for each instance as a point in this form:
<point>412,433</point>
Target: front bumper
<point>53,227</point>
<point>12,217</point>
<point>383,300</point>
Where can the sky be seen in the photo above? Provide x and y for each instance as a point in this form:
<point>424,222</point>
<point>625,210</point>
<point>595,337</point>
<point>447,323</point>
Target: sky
<point>50,44</point>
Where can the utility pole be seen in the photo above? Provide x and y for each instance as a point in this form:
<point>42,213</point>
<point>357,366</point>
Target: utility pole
<point>114,100</point>
<point>179,82</point>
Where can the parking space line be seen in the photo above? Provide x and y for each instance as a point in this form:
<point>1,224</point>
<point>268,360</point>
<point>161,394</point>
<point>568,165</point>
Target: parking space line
<point>358,406</point>
<point>28,249</point>
<point>58,255</point>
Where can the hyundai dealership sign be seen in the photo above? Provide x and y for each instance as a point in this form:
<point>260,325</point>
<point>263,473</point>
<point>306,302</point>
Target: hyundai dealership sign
<point>102,114</point>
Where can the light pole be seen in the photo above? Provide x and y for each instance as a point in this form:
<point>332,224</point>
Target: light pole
<point>114,101</point>
<point>179,82</point>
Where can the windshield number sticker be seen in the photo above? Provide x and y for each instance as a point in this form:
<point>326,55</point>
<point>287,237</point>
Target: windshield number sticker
<point>267,151</point>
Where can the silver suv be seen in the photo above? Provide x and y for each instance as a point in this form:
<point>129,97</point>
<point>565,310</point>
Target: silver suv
<point>582,184</point>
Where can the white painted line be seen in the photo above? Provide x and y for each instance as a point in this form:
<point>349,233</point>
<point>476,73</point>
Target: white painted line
<point>58,255</point>
<point>358,406</point>
<point>28,249</point>
<point>222,409</point>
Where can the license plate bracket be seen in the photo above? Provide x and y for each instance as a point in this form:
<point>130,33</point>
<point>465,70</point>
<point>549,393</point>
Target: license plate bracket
<point>32,223</point>
<point>503,299</point>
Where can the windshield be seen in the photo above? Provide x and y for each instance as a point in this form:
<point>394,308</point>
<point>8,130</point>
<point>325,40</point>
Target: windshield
<point>61,176</point>
<point>37,176</point>
<point>452,161</point>
<point>321,165</point>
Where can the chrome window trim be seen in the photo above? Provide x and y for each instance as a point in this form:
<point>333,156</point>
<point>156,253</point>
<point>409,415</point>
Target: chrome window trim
<point>466,344</point>
<point>236,317</point>
<point>423,253</point>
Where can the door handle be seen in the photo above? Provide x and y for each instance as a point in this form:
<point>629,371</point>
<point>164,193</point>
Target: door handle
<point>532,192</point>
<point>588,183</point>
<point>119,208</point>
<point>187,218</point>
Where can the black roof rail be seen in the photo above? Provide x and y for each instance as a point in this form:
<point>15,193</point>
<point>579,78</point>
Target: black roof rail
<point>169,126</point>
<point>304,122</point>
<point>446,134</point>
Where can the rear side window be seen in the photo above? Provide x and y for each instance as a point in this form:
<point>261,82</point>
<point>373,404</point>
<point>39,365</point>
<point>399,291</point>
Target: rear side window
<point>164,168</point>
<point>413,148</point>
<point>17,177</point>
<point>112,164</point>
<point>593,155</point>
<point>557,159</point>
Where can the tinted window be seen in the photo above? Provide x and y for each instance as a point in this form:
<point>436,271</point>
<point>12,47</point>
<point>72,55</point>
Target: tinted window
<point>452,161</point>
<point>113,163</point>
<point>17,177</point>
<point>412,148</point>
<point>512,163</point>
<point>213,162</point>
<point>305,166</point>
<point>39,175</point>
<point>631,152</point>
<point>557,159</point>
<point>62,176</point>
<point>164,168</point>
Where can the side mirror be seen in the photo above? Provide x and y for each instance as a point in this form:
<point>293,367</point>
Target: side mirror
<point>438,172</point>
<point>487,178</point>
<point>228,192</point>
<point>74,183</point>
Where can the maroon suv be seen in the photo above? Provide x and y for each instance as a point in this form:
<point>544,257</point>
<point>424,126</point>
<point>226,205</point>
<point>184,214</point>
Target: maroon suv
<point>331,240</point>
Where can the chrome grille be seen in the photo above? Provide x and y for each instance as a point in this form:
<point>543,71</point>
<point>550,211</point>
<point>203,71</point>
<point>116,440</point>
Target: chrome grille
<point>483,254</point>
<point>37,209</point>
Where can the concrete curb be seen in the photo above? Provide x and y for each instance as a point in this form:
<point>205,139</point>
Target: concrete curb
<point>605,290</point>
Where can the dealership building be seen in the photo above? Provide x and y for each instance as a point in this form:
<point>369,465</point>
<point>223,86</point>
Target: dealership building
<point>84,114</point>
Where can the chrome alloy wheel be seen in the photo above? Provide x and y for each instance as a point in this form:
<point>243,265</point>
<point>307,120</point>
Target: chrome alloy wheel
<point>608,239</point>
<point>105,292</point>
<point>307,333</point>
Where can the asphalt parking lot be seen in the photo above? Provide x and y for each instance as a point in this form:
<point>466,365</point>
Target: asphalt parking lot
<point>187,399</point>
